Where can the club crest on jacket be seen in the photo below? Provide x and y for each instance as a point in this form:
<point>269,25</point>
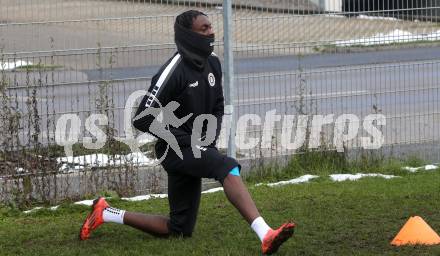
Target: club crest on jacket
<point>211,79</point>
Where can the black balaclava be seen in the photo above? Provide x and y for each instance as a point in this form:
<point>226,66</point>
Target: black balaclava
<point>194,47</point>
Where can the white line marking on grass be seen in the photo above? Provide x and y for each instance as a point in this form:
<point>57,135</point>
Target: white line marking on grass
<point>85,202</point>
<point>144,197</point>
<point>33,210</point>
<point>429,167</point>
<point>212,190</point>
<point>410,169</point>
<point>353,177</point>
<point>302,179</point>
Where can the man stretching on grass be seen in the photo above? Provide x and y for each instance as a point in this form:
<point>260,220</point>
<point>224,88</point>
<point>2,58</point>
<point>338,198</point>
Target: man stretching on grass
<point>192,78</point>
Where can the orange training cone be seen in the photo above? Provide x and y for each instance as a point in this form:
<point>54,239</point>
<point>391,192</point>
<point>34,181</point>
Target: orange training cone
<point>415,232</point>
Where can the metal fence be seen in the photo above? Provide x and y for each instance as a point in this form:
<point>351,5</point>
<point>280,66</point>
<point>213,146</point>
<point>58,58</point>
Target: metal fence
<point>298,57</point>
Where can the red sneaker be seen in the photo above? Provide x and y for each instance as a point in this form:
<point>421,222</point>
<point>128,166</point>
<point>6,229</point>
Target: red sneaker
<point>275,238</point>
<point>94,219</point>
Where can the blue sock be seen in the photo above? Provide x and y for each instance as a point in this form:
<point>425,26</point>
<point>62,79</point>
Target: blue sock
<point>235,171</point>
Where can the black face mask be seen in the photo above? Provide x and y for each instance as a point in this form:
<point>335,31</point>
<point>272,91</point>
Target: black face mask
<point>194,47</point>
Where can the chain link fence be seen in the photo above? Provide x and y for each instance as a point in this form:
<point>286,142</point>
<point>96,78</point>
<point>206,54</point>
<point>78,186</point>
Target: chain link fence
<point>338,60</point>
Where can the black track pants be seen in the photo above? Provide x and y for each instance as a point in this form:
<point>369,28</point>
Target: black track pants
<point>184,182</point>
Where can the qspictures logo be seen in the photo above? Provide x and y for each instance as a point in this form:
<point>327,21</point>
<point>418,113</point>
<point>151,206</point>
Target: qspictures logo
<point>162,121</point>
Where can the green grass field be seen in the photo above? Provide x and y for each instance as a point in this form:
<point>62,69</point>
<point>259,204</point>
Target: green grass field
<point>345,218</point>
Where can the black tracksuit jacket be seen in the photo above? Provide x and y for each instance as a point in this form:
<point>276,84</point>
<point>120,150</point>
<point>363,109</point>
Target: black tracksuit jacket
<point>197,92</point>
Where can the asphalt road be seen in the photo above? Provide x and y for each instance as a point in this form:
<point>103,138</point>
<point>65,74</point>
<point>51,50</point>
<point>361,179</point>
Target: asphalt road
<point>291,63</point>
<point>403,85</point>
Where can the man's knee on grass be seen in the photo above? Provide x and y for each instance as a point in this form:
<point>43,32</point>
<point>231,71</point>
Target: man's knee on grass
<point>181,226</point>
<point>183,232</point>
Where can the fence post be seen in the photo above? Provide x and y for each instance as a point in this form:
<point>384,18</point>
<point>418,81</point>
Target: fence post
<point>229,75</point>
